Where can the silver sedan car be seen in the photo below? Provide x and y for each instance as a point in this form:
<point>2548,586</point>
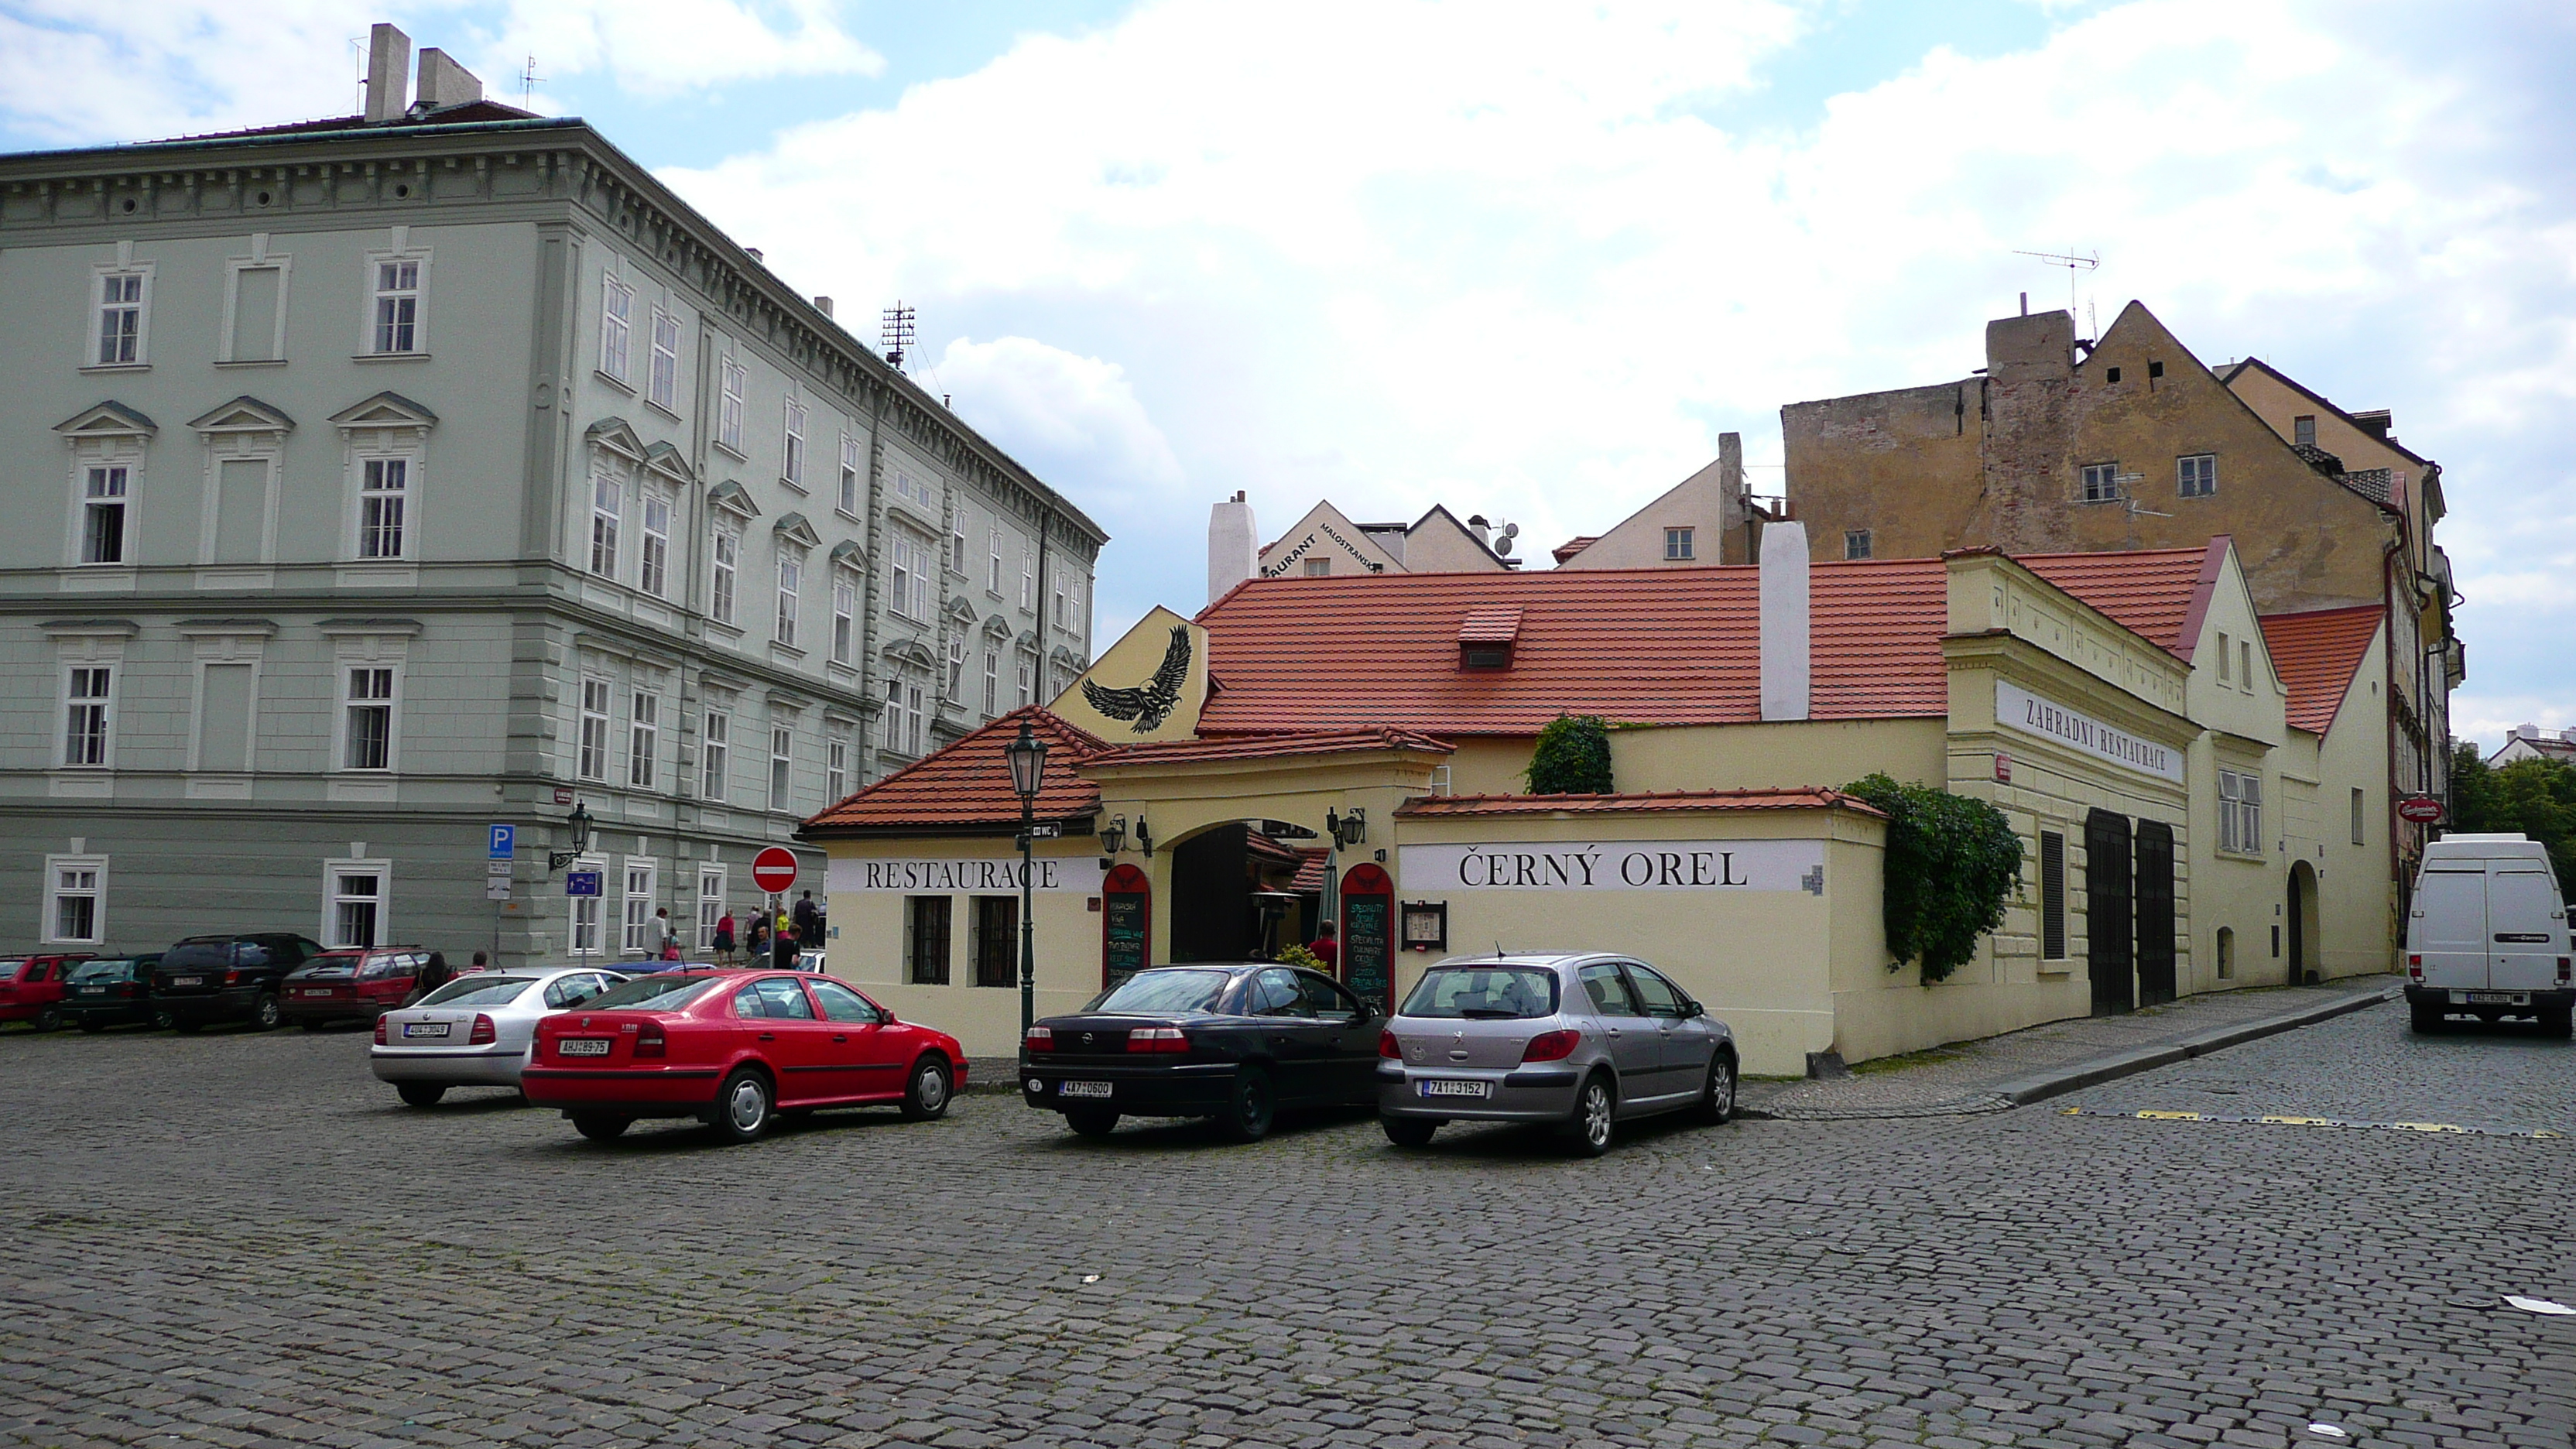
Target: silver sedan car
<point>474,1031</point>
<point>1578,1041</point>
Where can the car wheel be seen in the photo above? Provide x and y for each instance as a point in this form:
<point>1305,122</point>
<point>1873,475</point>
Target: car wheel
<point>927,1097</point>
<point>1091,1121</point>
<point>2560,1023</point>
<point>264,1014</point>
<point>1409,1131</point>
<point>745,1106</point>
<point>420,1094</point>
<point>600,1126</point>
<point>163,1021</point>
<point>1592,1125</point>
<point>47,1019</point>
<point>1717,1104</point>
<point>1249,1106</point>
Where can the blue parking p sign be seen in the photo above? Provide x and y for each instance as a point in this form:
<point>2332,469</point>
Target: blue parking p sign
<point>505,840</point>
<point>581,883</point>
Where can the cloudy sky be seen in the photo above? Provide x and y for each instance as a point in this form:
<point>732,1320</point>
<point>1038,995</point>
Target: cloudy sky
<point>1531,261</point>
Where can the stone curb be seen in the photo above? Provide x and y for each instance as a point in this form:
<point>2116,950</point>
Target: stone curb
<point>992,1077</point>
<point>2075,1076</point>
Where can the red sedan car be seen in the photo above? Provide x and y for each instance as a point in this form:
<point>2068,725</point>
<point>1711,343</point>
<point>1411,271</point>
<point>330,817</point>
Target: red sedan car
<point>733,1049</point>
<point>31,987</point>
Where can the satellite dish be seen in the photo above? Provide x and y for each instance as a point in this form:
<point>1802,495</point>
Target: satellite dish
<point>1511,530</point>
<point>1503,546</point>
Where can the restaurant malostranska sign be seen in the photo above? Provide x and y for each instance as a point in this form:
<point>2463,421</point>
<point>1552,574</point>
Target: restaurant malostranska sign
<point>1617,865</point>
<point>926,876</point>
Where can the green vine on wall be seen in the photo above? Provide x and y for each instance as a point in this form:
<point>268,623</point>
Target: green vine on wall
<point>1572,757</point>
<point>1952,862</point>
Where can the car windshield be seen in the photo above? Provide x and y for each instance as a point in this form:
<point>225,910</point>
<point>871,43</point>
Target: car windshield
<point>1483,993</point>
<point>651,993</point>
<point>115,969</point>
<point>1161,993</point>
<point>197,955</point>
<point>479,991</point>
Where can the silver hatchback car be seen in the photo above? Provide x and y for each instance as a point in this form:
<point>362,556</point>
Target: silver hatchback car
<point>1579,1041</point>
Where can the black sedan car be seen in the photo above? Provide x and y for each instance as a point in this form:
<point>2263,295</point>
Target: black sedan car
<point>204,980</point>
<point>1232,1042</point>
<point>111,991</point>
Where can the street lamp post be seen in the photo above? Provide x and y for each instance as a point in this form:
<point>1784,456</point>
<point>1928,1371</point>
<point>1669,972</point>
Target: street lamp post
<point>1027,755</point>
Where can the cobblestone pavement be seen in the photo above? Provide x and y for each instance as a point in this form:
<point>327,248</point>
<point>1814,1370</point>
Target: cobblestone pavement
<point>1963,1078</point>
<point>240,1240</point>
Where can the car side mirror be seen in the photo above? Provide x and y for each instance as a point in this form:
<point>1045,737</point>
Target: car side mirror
<point>1691,1009</point>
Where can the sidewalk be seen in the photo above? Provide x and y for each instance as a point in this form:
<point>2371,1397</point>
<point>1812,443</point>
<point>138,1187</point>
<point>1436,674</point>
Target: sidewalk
<point>2038,1062</point>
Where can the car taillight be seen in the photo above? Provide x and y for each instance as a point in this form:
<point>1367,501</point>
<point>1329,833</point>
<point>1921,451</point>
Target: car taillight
<point>649,1041</point>
<point>1386,1046</point>
<point>2562,970</point>
<point>2415,967</point>
<point>380,1031</point>
<point>232,978</point>
<point>1157,1039</point>
<point>483,1033</point>
<point>1551,1046</point>
<point>1039,1039</point>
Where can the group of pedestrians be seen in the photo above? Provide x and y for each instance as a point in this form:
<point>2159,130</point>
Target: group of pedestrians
<point>777,935</point>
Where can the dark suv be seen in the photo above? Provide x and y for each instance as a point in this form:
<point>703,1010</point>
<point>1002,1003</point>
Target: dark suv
<point>207,979</point>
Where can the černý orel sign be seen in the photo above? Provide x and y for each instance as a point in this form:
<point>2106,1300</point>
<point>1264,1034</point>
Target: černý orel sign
<point>1617,865</point>
<point>935,877</point>
<point>2018,709</point>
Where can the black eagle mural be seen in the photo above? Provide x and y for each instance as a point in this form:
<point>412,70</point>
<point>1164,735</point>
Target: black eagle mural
<point>1150,703</point>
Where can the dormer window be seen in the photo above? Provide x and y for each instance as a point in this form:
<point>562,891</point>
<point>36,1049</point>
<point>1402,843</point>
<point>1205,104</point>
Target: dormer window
<point>1486,638</point>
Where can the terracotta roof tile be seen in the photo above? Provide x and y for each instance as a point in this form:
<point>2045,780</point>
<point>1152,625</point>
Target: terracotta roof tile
<point>2317,654</point>
<point>1660,800</point>
<point>1310,872</point>
<point>1492,624</point>
<point>2158,592</point>
<point>969,783</point>
<point>1266,746</point>
<point>1573,546</point>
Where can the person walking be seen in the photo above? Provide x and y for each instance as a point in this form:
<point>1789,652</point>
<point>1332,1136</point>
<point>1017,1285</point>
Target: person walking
<point>1327,947</point>
<point>666,937</point>
<point>724,937</point>
<point>433,975</point>
<point>808,916</point>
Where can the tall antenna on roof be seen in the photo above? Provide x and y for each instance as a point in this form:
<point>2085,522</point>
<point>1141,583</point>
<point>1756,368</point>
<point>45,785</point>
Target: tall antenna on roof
<point>528,79</point>
<point>894,335</point>
<point>2073,263</point>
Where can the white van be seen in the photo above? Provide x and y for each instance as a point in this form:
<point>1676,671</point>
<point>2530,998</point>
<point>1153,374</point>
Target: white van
<point>2488,934</point>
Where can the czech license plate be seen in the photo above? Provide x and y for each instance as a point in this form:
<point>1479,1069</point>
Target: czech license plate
<point>583,1046</point>
<point>424,1028</point>
<point>2494,998</point>
<point>1447,1087</point>
<point>187,980</point>
<point>317,990</point>
<point>91,990</point>
<point>1084,1089</point>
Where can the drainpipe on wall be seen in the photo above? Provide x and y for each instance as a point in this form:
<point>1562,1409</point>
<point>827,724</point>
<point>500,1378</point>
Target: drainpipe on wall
<point>1784,621</point>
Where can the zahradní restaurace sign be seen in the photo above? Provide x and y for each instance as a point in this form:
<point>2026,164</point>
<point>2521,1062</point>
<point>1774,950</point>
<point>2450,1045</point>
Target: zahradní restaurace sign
<point>1617,865</point>
<point>938,877</point>
<point>2018,709</point>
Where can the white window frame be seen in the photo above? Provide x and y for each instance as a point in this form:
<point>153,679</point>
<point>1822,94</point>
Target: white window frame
<point>1028,681</point>
<point>836,770</point>
<point>113,480</point>
<point>1858,543</point>
<point>95,351</point>
<point>607,515</point>
<point>585,918</point>
<point>55,893</point>
<point>653,553</point>
<point>643,738</point>
<point>992,681</point>
<point>993,568</point>
<point>2360,816</point>
<point>1681,545</point>
<point>1028,578</point>
<point>903,716</point>
<point>1078,618</point>
<point>635,913</point>
<point>88,715</point>
<point>590,737</point>
<point>662,369</point>
<point>733,380</point>
<point>1059,601</point>
<point>711,903</point>
<point>715,754</point>
<point>388,481</point>
<point>384,327</point>
<point>908,592</point>
<point>791,446</point>
<point>791,588</point>
<point>2196,475</point>
<point>957,667</point>
<point>957,542</point>
<point>616,329</point>
<point>724,573</point>
<point>333,897</point>
<point>343,736</point>
<point>2099,483</point>
<point>782,766</point>
<point>845,613</point>
<point>2240,812</point>
<point>848,502</point>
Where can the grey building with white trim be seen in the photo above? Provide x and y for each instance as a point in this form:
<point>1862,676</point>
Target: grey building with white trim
<point>381,478</point>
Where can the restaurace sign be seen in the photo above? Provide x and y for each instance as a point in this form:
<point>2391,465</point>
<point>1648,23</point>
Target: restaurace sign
<point>1617,865</point>
<point>2018,709</point>
<point>934,877</point>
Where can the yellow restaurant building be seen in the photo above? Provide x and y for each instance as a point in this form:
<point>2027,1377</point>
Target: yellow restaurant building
<point>1352,745</point>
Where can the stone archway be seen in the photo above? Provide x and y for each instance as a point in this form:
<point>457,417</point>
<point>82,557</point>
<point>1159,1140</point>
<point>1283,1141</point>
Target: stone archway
<point>2304,954</point>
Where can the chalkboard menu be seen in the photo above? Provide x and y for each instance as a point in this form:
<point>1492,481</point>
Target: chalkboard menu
<point>1368,936</point>
<point>1126,925</point>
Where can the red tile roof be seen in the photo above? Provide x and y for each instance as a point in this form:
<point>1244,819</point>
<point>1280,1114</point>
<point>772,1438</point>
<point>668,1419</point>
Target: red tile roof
<point>2317,654</point>
<point>1492,624</point>
<point>968,784</point>
<point>1267,746</point>
<point>1310,874</point>
<point>1648,646</point>
<point>1573,546</point>
<point>2160,593</point>
<point>1660,800</point>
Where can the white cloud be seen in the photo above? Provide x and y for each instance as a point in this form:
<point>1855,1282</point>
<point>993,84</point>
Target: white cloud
<point>1074,421</point>
<point>84,73</point>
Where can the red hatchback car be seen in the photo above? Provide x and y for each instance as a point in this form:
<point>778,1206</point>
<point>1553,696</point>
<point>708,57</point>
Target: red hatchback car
<point>733,1049</point>
<point>350,985</point>
<point>31,987</point>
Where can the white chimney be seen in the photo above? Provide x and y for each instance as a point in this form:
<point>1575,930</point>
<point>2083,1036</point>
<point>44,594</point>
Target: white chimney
<point>2526,731</point>
<point>443,82</point>
<point>1234,549</point>
<point>1784,620</point>
<point>388,74</point>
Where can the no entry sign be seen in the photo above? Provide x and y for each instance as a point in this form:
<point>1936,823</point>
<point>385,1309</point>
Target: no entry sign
<point>774,869</point>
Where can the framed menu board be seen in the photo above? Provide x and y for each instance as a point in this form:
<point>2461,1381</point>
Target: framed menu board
<point>1368,935</point>
<point>1126,924</point>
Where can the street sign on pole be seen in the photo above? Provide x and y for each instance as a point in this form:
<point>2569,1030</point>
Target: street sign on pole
<point>505,840</point>
<point>581,883</point>
<point>774,869</point>
<point>496,888</point>
<point>1048,831</point>
<point>499,868</point>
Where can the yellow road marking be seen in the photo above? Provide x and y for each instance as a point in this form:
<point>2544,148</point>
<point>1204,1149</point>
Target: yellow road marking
<point>2446,1128</point>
